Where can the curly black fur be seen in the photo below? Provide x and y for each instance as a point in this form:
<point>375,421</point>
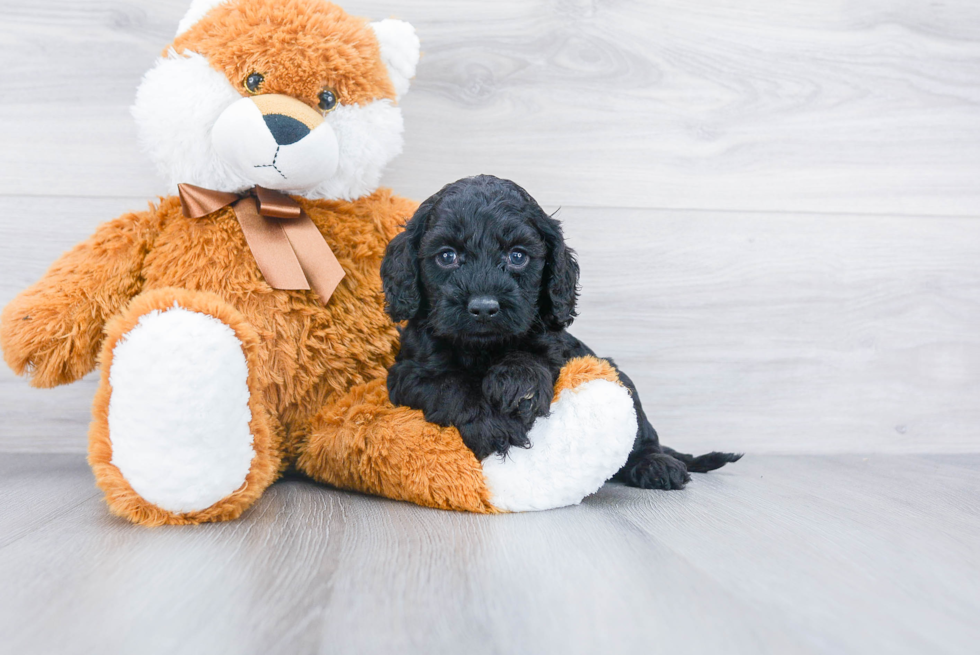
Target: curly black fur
<point>485,336</point>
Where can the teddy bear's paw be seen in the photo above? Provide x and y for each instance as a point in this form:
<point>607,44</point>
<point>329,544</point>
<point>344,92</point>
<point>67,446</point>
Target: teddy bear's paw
<point>179,414</point>
<point>581,444</point>
<point>179,435</point>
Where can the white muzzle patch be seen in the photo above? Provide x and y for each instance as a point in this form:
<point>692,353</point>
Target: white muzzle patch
<point>276,142</point>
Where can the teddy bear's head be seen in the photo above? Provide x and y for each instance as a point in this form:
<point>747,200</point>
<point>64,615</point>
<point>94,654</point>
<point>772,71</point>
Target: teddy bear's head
<point>293,95</point>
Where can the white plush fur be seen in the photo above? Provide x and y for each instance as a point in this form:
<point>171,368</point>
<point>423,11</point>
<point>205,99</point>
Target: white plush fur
<point>584,441</point>
<point>369,137</point>
<point>400,50</point>
<point>182,98</point>
<point>178,414</point>
<point>177,104</point>
<point>258,158</point>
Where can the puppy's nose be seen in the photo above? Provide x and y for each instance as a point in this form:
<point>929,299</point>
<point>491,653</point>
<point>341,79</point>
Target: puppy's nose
<point>285,129</point>
<point>483,307</point>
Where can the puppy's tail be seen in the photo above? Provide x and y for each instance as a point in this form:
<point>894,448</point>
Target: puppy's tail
<point>704,463</point>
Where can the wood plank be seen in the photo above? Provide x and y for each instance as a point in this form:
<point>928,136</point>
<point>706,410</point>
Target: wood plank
<point>746,331</point>
<point>39,489</point>
<point>33,233</point>
<point>791,333</point>
<point>821,534</point>
<point>775,554</point>
<point>867,107</point>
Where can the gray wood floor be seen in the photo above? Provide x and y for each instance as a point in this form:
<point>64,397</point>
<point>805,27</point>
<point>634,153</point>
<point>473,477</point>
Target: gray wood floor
<point>779,554</point>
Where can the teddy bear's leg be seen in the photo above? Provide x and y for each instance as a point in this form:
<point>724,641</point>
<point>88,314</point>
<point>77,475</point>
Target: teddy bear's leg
<point>179,431</point>
<point>584,441</point>
<point>362,442</point>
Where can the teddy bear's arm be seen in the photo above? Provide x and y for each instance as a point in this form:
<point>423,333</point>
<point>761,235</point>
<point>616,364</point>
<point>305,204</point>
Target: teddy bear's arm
<point>53,330</point>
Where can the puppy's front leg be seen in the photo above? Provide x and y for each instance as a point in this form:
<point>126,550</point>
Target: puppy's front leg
<point>491,432</point>
<point>521,386</point>
<point>455,399</point>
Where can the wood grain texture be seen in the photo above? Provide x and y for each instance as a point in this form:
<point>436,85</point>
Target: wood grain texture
<point>34,232</point>
<point>832,555</point>
<point>867,106</point>
<point>770,332</point>
<point>38,490</point>
<point>748,331</point>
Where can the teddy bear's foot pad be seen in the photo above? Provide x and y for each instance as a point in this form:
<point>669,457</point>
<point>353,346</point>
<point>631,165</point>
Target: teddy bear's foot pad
<point>581,444</point>
<point>179,412</point>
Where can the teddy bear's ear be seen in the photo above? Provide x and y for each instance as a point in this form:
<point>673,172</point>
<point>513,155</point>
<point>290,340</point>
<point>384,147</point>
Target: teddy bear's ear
<point>399,50</point>
<point>197,11</point>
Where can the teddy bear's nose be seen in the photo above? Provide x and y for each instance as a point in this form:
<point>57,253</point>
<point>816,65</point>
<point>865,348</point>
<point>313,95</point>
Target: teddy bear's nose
<point>285,129</point>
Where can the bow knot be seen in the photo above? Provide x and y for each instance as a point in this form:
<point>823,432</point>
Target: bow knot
<point>288,248</point>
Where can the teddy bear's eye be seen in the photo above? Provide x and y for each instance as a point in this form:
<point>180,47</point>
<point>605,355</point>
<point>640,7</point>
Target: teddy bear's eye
<point>253,82</point>
<point>328,101</point>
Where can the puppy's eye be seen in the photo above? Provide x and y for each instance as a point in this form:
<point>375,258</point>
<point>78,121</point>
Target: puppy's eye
<point>253,82</point>
<point>447,258</point>
<point>328,101</point>
<point>517,258</point>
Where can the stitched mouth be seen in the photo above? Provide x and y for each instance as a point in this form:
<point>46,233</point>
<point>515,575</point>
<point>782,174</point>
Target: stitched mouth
<point>273,164</point>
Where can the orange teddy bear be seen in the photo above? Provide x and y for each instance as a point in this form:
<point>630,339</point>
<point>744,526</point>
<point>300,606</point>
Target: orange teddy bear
<point>240,324</point>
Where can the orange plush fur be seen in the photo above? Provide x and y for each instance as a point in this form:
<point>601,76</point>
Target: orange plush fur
<point>315,371</point>
<point>300,46</point>
<point>301,354</point>
<point>363,442</point>
<point>584,369</point>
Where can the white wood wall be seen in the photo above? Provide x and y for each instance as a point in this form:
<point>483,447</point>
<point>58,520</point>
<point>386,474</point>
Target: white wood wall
<point>776,202</point>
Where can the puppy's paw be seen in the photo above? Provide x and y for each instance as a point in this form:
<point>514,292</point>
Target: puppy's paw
<point>521,388</point>
<point>654,471</point>
<point>493,435</point>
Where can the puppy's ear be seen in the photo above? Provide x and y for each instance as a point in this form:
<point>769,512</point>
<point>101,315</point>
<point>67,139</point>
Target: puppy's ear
<point>400,267</point>
<point>559,286</point>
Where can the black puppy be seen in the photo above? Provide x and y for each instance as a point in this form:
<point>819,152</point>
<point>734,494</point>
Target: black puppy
<point>487,285</point>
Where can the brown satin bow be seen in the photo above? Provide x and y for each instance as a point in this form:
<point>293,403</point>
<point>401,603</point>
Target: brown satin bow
<point>288,248</point>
